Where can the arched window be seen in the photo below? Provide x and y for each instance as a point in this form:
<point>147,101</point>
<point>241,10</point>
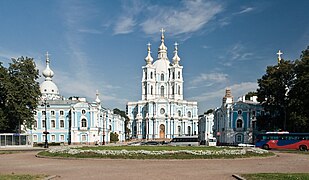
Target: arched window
<point>84,123</point>
<point>145,74</point>
<point>239,112</point>
<point>151,90</point>
<point>83,111</point>
<point>179,130</point>
<point>189,130</point>
<point>178,74</point>
<point>162,91</point>
<point>178,90</point>
<point>35,124</point>
<point>239,123</point>
<point>162,77</point>
<point>179,113</point>
<point>173,89</point>
<point>151,75</point>
<point>189,114</point>
<point>173,75</point>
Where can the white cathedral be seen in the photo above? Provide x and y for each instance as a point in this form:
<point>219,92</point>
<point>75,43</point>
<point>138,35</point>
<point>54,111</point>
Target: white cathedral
<point>162,113</point>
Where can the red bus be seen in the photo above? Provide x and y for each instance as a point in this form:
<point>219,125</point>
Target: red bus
<point>278,140</point>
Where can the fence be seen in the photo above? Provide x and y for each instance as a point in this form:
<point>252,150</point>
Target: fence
<point>11,139</point>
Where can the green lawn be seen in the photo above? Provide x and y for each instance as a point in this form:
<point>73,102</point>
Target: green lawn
<point>277,176</point>
<point>155,152</point>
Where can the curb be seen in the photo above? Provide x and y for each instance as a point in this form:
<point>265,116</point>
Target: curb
<point>238,177</point>
<point>51,177</point>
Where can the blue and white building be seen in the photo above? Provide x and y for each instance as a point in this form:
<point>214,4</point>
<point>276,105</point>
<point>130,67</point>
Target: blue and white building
<point>162,113</point>
<point>73,120</point>
<point>235,122</point>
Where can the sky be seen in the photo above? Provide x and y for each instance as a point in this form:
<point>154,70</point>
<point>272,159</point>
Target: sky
<point>101,45</point>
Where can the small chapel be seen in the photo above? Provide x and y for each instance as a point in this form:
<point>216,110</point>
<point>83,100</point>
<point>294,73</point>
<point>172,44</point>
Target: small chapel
<point>162,113</point>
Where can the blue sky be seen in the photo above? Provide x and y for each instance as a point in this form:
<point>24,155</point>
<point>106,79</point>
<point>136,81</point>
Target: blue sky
<point>102,44</point>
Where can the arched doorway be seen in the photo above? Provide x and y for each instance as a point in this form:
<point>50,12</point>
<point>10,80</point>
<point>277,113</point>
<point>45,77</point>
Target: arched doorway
<point>162,131</point>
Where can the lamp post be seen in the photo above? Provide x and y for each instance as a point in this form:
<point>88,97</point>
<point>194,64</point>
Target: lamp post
<point>45,104</point>
<point>103,142</point>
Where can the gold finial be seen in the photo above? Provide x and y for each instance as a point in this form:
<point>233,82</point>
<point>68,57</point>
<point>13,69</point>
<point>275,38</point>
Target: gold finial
<point>162,35</point>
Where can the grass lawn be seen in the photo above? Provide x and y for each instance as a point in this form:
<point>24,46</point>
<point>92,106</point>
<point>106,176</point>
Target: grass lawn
<point>21,176</point>
<point>155,152</point>
<point>277,176</point>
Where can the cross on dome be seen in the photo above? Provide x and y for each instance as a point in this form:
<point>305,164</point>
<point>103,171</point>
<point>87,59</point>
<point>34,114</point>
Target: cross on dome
<point>279,56</point>
<point>162,35</point>
<point>47,56</point>
<point>176,45</point>
<point>148,47</point>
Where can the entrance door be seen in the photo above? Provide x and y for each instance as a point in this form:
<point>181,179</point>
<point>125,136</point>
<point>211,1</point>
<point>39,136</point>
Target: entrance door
<point>162,131</point>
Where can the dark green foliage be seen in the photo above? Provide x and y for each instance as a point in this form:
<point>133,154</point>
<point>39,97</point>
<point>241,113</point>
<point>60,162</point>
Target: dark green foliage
<point>250,94</point>
<point>126,123</point>
<point>19,94</point>
<point>114,137</point>
<point>209,111</point>
<point>283,92</point>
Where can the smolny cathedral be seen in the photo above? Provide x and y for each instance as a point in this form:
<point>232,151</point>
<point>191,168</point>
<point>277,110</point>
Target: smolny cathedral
<point>162,113</point>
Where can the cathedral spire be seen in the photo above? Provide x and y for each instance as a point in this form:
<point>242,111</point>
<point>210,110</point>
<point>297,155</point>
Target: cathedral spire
<point>97,100</point>
<point>48,73</point>
<point>162,52</point>
<point>176,58</point>
<point>148,58</point>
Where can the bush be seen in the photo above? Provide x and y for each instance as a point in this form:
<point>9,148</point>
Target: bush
<point>114,137</point>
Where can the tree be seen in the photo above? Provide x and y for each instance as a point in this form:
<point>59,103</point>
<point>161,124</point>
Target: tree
<point>19,94</point>
<point>127,120</point>
<point>299,94</point>
<point>273,95</point>
<point>209,111</point>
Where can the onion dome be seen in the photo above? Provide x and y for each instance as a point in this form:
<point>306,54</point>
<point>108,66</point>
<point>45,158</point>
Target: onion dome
<point>148,58</point>
<point>176,58</point>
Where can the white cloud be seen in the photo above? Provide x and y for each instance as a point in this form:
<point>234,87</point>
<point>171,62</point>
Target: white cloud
<point>183,18</point>
<point>192,16</point>
<point>236,52</point>
<point>210,77</point>
<point>124,25</point>
<point>245,10</point>
<point>214,97</point>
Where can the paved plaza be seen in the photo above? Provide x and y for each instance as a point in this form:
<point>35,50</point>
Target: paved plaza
<point>27,162</point>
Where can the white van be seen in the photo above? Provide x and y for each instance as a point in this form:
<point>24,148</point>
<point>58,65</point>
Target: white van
<point>212,142</point>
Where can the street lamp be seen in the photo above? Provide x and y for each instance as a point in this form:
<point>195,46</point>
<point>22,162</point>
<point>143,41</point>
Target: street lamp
<point>103,142</point>
<point>45,104</point>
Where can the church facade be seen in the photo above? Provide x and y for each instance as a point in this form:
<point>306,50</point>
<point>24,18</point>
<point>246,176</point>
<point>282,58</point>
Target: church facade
<point>162,113</point>
<point>73,120</point>
<point>235,122</point>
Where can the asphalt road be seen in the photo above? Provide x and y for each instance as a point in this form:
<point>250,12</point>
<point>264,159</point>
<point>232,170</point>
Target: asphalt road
<point>27,163</point>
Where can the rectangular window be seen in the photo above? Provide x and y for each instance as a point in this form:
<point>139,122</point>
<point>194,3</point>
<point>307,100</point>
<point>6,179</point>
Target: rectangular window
<point>53,137</point>
<point>53,123</point>
<point>43,113</point>
<point>62,123</point>
<point>35,138</point>
<point>61,137</point>
<point>35,124</point>
<point>43,123</point>
<point>83,137</point>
